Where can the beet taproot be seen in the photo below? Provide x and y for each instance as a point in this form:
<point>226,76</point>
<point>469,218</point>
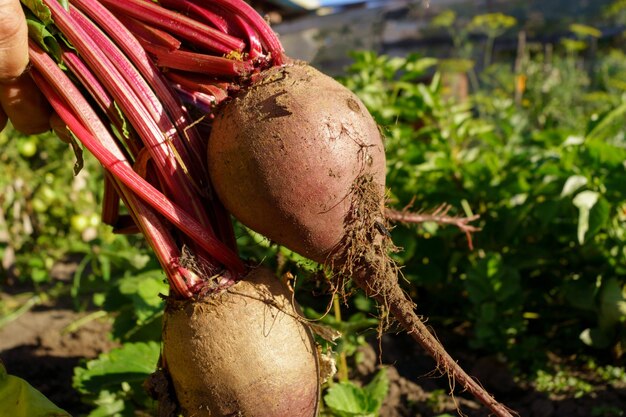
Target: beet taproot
<point>243,351</point>
<point>278,157</point>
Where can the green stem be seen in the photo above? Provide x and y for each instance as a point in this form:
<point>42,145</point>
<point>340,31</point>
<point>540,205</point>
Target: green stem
<point>342,366</point>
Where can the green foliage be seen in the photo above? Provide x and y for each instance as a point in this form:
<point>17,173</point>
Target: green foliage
<point>115,379</point>
<point>19,399</point>
<point>346,399</point>
<point>45,223</point>
<point>492,24</point>
<point>562,382</point>
<point>137,301</point>
<point>495,292</point>
<point>353,330</point>
<point>585,30</point>
<point>543,173</point>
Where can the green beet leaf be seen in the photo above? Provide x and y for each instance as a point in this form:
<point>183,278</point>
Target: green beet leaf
<point>19,399</point>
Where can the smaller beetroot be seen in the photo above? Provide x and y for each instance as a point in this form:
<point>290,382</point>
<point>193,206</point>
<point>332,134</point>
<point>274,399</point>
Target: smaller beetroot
<point>243,351</point>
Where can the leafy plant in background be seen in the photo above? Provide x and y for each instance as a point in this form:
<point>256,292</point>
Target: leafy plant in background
<point>48,231</point>
<point>346,399</point>
<point>114,381</point>
<point>491,25</point>
<point>544,180</point>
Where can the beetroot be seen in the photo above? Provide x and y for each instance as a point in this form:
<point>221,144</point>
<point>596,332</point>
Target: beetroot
<point>243,351</point>
<point>297,172</point>
<point>294,155</point>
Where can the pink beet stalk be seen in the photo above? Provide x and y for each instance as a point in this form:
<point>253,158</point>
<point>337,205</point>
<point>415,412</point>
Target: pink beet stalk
<point>255,49</point>
<point>151,225</point>
<point>152,34</point>
<point>177,24</point>
<point>105,149</point>
<point>195,62</point>
<point>258,24</point>
<point>197,146</point>
<point>157,142</point>
<point>99,93</point>
<point>202,13</point>
<point>134,81</point>
<point>200,84</point>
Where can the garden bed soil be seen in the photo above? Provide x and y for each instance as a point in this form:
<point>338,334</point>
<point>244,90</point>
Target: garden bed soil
<point>38,347</point>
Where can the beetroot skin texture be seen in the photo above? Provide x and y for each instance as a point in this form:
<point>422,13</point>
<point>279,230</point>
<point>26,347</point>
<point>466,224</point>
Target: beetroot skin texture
<point>285,153</point>
<point>244,351</point>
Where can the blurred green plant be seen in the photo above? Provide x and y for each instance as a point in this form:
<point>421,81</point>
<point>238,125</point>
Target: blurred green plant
<point>113,382</point>
<point>491,25</point>
<point>50,232</point>
<point>562,382</point>
<point>543,174</point>
<point>346,399</point>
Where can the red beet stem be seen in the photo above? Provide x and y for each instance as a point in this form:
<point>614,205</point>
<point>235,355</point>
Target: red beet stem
<point>193,83</point>
<point>177,24</point>
<point>202,13</point>
<point>99,93</point>
<point>196,144</point>
<point>255,49</point>
<point>197,63</point>
<point>109,155</point>
<point>155,230</point>
<point>152,34</point>
<point>138,103</point>
<point>243,9</point>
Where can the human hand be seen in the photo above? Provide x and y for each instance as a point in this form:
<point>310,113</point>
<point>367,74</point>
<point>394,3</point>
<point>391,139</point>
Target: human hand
<point>20,100</point>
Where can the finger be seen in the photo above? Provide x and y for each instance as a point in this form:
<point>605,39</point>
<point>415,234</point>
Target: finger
<point>25,106</point>
<point>13,40</point>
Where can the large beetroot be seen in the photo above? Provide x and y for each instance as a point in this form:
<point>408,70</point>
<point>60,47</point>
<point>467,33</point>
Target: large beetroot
<point>297,165</point>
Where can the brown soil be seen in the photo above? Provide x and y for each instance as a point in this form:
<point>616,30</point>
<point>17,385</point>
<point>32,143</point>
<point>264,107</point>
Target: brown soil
<point>417,391</point>
<point>37,347</point>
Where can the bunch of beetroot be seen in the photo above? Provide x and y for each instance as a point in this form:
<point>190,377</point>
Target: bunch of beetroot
<point>195,112</point>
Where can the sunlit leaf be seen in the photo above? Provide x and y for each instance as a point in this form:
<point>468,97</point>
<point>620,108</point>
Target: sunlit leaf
<point>572,184</point>
<point>612,118</point>
<point>19,399</point>
<point>131,363</point>
<point>444,19</point>
<point>40,10</point>
<point>584,201</point>
<point>612,304</point>
<point>377,389</point>
<point>585,30</point>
